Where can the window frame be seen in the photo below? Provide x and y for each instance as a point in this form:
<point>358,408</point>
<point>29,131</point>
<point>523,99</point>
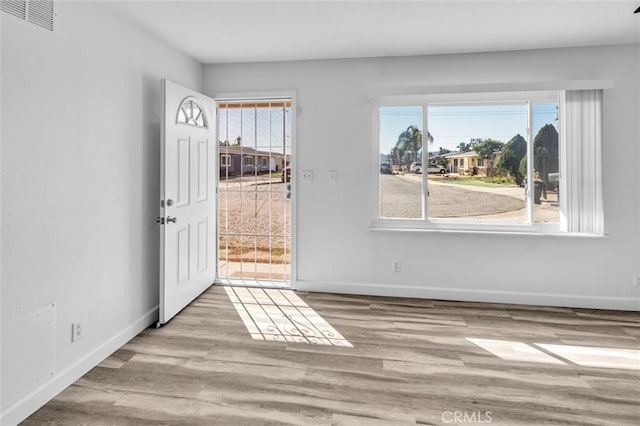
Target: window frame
<point>425,223</point>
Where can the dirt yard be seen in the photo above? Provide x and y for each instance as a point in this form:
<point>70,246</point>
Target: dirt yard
<point>254,220</point>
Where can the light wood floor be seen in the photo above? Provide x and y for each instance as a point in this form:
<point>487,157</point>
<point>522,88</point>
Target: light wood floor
<point>411,364</point>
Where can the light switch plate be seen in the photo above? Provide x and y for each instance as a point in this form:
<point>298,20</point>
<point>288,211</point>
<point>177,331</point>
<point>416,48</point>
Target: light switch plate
<point>333,176</point>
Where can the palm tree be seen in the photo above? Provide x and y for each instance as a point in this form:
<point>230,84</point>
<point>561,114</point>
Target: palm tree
<point>410,142</point>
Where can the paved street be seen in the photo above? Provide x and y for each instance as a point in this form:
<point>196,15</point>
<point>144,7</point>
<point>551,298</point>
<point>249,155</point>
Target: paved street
<point>401,197</point>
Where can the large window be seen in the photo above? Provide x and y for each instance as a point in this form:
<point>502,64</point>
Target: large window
<point>507,161</point>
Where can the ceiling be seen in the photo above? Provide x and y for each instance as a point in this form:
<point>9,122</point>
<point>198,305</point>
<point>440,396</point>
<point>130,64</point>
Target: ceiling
<point>256,31</point>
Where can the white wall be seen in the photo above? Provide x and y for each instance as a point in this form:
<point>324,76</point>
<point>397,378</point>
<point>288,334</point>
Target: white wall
<point>337,251</point>
<point>80,186</point>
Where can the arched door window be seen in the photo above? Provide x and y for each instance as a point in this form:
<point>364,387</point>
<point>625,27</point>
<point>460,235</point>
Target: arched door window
<point>191,113</point>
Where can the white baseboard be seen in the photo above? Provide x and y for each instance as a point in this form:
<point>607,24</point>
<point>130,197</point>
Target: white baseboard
<point>469,295</point>
<point>29,403</point>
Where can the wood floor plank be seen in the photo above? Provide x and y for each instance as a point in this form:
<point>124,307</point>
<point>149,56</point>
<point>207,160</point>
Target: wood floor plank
<point>413,361</point>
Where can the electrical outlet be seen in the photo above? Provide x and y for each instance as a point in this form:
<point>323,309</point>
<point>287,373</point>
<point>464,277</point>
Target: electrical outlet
<point>76,331</point>
<point>333,176</point>
<point>307,175</point>
<point>395,266</point>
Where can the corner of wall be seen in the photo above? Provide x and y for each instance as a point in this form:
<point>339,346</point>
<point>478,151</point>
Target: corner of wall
<point>29,403</point>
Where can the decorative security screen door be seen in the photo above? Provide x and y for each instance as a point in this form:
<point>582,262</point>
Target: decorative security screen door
<point>255,192</point>
<point>187,251</point>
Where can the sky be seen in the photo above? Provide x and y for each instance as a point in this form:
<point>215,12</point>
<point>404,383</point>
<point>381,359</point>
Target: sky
<point>260,127</point>
<point>450,125</point>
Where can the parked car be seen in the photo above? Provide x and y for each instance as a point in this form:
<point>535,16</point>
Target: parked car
<point>435,168</point>
<point>432,168</point>
<point>286,174</point>
<point>416,167</point>
<point>385,168</point>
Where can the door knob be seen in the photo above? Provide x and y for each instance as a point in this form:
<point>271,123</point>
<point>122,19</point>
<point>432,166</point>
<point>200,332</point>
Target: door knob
<point>171,219</point>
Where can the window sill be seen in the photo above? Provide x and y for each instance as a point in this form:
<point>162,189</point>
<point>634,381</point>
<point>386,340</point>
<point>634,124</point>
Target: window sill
<point>420,226</point>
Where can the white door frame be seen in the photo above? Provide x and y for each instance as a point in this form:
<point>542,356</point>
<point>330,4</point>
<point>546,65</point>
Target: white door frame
<point>252,96</point>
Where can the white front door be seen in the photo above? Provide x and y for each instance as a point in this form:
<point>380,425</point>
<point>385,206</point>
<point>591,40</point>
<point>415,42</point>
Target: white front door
<point>187,250</point>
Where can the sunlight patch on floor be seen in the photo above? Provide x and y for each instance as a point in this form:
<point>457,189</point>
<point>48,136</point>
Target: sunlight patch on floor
<point>514,351</point>
<point>588,356</point>
<point>281,316</point>
<point>585,356</point>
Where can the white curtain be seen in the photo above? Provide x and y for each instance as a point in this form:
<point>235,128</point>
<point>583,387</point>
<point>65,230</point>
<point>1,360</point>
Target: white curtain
<point>581,186</point>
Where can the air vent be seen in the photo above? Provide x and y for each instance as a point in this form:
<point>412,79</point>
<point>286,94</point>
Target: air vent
<point>38,12</point>
<point>15,7</point>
